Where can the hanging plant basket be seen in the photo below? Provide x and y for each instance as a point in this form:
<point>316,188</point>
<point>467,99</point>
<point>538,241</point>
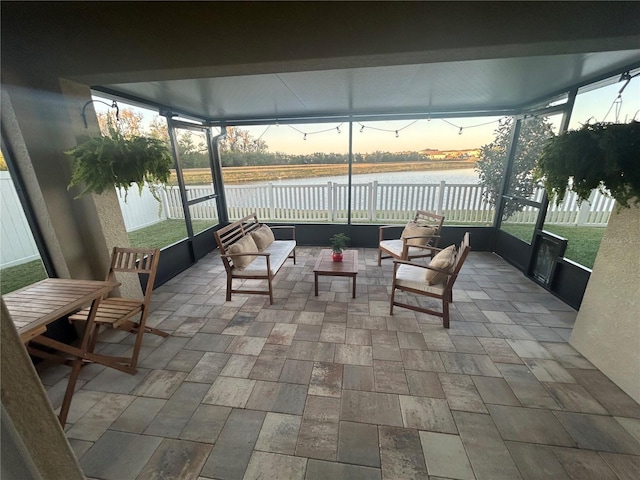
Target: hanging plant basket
<point>603,156</point>
<point>101,163</point>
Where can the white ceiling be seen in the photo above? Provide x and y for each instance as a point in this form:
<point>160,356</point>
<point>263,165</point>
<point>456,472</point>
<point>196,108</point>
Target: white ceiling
<point>471,87</point>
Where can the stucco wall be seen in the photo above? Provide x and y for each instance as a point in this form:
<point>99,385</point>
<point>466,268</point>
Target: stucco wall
<point>43,447</point>
<point>607,329</point>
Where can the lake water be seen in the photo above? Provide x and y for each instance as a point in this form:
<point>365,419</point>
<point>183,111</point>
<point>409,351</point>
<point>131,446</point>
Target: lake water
<point>466,176</point>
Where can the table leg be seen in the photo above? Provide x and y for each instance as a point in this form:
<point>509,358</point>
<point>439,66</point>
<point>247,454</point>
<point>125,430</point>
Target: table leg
<point>68,395</point>
<point>354,287</point>
<point>77,362</point>
<point>316,282</point>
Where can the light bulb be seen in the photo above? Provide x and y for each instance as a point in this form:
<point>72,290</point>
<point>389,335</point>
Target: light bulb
<point>361,128</point>
<point>305,137</point>
<point>397,134</point>
<point>460,131</point>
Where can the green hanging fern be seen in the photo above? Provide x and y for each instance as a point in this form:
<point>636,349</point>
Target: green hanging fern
<point>603,156</point>
<point>104,162</point>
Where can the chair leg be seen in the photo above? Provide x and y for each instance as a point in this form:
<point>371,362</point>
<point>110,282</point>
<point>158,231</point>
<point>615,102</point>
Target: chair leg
<point>229,284</point>
<point>138,342</point>
<point>156,331</point>
<point>445,312</point>
<point>270,291</point>
<point>133,327</point>
<point>94,337</point>
<point>379,257</point>
<point>393,296</point>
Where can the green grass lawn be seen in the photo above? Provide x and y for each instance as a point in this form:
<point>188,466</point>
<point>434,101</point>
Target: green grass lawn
<point>155,236</point>
<point>583,242</point>
<point>164,233</point>
<point>13,278</point>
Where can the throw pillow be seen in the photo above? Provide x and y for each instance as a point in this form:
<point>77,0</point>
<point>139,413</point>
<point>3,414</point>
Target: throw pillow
<point>444,260</point>
<point>244,245</point>
<point>263,237</point>
<point>414,229</point>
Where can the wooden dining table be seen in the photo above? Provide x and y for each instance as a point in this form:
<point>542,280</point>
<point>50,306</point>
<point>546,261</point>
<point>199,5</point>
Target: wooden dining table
<point>34,307</point>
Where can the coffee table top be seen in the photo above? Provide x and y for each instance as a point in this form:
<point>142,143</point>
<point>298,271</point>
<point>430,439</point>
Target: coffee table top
<point>348,265</point>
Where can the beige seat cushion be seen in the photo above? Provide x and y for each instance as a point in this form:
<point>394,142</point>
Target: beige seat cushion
<point>414,229</point>
<point>245,245</point>
<point>445,259</point>
<point>263,237</point>
<point>412,276</point>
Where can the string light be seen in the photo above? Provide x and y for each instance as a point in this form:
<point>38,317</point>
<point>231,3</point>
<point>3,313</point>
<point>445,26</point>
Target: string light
<point>304,134</point>
<point>396,132</point>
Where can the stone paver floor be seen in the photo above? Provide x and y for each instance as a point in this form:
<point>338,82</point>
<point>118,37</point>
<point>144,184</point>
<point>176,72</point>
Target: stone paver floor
<point>331,387</point>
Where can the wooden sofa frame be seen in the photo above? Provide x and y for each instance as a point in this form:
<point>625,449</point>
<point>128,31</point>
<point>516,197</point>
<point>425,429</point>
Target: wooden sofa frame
<point>230,234</point>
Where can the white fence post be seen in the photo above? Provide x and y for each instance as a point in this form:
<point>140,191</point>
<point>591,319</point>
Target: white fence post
<point>166,213</point>
<point>440,198</point>
<point>373,195</point>
<point>585,209</point>
<point>329,202</point>
<point>272,200</point>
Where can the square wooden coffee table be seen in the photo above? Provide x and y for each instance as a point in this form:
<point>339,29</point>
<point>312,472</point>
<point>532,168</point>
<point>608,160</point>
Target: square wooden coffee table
<point>348,267</point>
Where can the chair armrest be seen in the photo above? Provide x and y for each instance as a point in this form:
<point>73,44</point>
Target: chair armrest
<point>419,265</point>
<point>405,246</point>
<point>255,254</point>
<point>404,239</point>
<point>286,227</point>
<point>383,228</point>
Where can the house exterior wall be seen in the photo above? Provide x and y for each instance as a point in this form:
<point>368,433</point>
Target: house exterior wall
<point>41,444</point>
<point>607,329</point>
<point>41,125</point>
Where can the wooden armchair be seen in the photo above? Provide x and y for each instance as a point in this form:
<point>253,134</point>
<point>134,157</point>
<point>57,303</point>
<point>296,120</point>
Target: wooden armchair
<point>434,280</point>
<point>416,241</point>
<point>129,314</point>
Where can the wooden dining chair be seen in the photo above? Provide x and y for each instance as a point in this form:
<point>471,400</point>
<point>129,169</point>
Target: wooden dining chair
<point>434,280</point>
<point>417,240</point>
<point>129,314</point>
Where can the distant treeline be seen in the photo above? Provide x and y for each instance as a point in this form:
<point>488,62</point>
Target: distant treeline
<point>232,158</point>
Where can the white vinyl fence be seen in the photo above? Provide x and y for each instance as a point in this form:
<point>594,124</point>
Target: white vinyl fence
<point>17,245</point>
<point>371,203</point>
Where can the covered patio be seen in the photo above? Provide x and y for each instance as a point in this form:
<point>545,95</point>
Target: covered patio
<point>333,387</point>
<point>523,385</point>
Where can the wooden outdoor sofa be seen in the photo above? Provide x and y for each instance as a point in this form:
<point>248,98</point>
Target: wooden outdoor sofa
<point>249,250</point>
